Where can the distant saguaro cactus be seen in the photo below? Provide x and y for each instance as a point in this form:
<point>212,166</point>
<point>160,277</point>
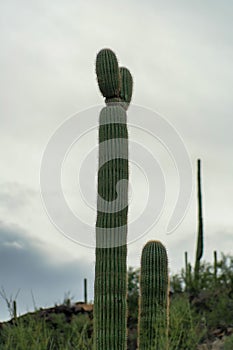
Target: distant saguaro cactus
<point>85,290</point>
<point>215,266</point>
<point>187,271</point>
<point>153,300</point>
<point>14,310</point>
<point>200,238</point>
<point>110,309</point>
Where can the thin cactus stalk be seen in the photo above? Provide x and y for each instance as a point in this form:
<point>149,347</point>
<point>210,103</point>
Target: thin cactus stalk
<point>154,298</point>
<point>186,260</point>
<point>200,244</point>
<point>14,310</point>
<point>190,277</point>
<point>85,290</point>
<point>110,290</point>
<point>215,266</point>
<point>187,272</point>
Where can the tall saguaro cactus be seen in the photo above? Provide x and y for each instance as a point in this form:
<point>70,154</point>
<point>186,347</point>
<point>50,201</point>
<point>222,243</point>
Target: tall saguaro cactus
<point>110,309</point>
<point>200,238</point>
<point>153,301</point>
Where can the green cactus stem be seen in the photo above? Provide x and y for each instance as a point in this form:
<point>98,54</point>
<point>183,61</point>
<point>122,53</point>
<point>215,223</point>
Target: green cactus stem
<point>153,300</point>
<point>110,290</point>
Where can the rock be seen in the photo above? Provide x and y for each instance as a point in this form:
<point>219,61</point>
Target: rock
<point>218,345</point>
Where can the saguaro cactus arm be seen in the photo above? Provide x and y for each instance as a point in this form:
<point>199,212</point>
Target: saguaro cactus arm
<point>108,74</point>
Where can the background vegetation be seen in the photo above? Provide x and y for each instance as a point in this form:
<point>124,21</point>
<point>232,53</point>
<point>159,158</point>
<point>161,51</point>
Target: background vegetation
<point>195,316</point>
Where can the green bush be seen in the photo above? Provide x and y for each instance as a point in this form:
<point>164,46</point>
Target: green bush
<point>185,327</point>
<point>228,345</point>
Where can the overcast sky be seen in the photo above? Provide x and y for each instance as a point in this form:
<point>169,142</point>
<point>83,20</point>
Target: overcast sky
<point>180,55</point>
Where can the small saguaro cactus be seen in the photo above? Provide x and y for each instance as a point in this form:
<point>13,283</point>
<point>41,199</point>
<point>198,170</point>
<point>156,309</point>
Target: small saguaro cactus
<point>110,309</point>
<point>200,238</point>
<point>154,298</point>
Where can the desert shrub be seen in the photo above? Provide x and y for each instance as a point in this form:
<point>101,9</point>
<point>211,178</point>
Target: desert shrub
<point>228,344</point>
<point>219,311</point>
<point>37,334</point>
<point>132,300</point>
<point>176,283</point>
<point>133,292</point>
<point>186,329</point>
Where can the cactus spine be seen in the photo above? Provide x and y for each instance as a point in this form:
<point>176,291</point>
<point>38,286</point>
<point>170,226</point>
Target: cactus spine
<point>199,250</point>
<point>153,300</point>
<point>110,290</point>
